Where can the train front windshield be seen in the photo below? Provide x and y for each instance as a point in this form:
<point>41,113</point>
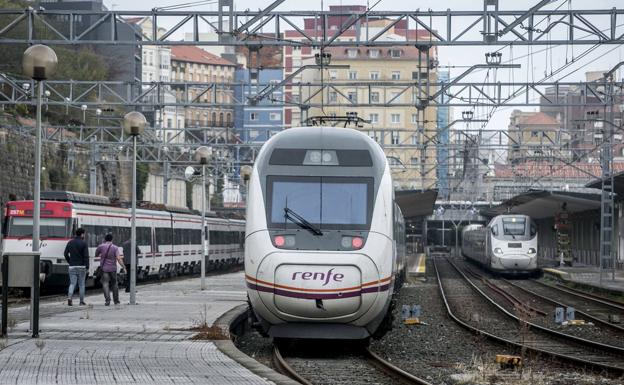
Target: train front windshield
<point>514,226</point>
<point>22,227</point>
<point>328,202</point>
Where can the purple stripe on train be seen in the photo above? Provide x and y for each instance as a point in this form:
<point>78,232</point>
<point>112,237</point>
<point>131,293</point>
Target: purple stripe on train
<point>293,294</point>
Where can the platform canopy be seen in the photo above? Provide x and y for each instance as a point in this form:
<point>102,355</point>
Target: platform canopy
<point>618,184</point>
<point>540,204</point>
<point>416,203</point>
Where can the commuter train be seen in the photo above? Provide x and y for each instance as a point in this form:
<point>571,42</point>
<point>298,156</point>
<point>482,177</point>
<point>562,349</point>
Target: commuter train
<point>325,243</point>
<point>169,238</point>
<point>508,244</point>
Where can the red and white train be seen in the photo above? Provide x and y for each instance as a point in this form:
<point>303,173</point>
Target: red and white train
<point>169,239</point>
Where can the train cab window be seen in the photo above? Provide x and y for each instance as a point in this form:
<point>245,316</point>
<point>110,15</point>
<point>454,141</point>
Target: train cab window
<point>330,202</point>
<point>514,226</point>
<point>49,227</point>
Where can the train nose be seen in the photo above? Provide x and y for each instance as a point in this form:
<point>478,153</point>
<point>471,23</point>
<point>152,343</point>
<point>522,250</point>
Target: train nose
<point>317,291</point>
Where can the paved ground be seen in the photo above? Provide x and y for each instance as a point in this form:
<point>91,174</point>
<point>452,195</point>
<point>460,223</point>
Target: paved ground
<point>143,344</point>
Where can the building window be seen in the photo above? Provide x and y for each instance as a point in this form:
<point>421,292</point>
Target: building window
<point>253,116</point>
<point>534,134</point>
<point>169,122</point>
<point>333,75</point>
<point>395,118</point>
<point>414,161</point>
<point>373,53</point>
<point>374,118</point>
<point>333,96</point>
<point>352,95</point>
<point>374,97</point>
<point>352,75</point>
<point>396,75</point>
<point>352,53</point>
<point>374,75</point>
<point>352,114</point>
<point>275,116</point>
<point>414,139</point>
<point>395,137</point>
<point>395,53</point>
<point>423,75</point>
<point>415,118</point>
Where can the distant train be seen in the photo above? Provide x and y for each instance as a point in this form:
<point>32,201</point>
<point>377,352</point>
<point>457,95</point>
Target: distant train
<point>508,244</point>
<point>169,239</point>
<point>325,246</point>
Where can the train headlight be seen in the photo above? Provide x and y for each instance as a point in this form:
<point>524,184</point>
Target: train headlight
<point>354,243</point>
<point>284,241</point>
<point>531,251</point>
<point>498,250</point>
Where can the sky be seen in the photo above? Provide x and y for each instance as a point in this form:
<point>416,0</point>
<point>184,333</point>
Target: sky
<point>533,67</point>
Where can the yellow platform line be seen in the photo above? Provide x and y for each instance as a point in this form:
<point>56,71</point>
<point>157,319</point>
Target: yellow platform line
<point>421,264</point>
<point>556,272</point>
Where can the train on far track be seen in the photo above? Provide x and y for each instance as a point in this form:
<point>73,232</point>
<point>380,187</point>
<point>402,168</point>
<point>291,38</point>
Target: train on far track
<point>508,244</point>
<point>325,243</point>
<point>169,238</point>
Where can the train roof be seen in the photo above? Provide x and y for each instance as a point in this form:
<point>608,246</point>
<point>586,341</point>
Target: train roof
<point>321,138</point>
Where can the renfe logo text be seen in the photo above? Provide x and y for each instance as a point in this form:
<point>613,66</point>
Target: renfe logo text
<point>319,276</point>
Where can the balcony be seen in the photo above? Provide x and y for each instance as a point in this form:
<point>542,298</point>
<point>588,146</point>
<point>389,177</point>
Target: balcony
<point>191,123</point>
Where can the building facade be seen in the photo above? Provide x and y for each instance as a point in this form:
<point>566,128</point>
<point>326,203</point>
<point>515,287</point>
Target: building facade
<point>192,64</point>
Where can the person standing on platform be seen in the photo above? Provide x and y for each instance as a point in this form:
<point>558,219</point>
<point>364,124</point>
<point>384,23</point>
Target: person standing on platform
<point>110,256</point>
<point>77,256</point>
<point>127,258</point>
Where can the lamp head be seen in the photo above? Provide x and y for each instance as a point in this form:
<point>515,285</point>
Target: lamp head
<point>39,62</point>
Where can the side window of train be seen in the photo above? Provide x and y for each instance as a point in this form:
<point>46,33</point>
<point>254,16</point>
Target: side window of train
<point>494,230</point>
<point>533,229</point>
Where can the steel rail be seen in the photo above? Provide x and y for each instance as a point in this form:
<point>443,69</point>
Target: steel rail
<point>559,303</point>
<point>376,361</point>
<point>593,296</point>
<point>477,331</point>
<point>579,340</point>
<point>576,293</point>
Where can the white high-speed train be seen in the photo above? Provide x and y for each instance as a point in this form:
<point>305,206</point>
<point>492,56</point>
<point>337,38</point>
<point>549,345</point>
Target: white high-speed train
<point>325,245</point>
<point>508,244</point>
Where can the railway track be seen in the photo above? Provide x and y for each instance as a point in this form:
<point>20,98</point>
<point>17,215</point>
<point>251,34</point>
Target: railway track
<point>531,308</point>
<point>595,308</point>
<point>468,305</point>
<point>360,366</point>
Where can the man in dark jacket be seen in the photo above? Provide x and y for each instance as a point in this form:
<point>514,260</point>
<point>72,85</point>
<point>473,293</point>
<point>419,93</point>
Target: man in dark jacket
<point>127,256</point>
<point>77,256</point>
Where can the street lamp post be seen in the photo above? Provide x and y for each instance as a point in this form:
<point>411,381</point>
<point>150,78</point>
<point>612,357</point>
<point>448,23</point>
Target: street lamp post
<point>202,156</point>
<point>38,63</point>
<point>133,124</point>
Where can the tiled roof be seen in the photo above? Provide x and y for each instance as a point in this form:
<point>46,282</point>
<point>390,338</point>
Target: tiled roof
<point>194,54</point>
<point>552,170</point>
<point>538,119</point>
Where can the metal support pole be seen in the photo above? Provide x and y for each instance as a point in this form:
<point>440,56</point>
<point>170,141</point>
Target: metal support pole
<point>5,295</point>
<point>442,231</point>
<point>34,319</point>
<point>203,211</point>
<point>166,183</point>
<point>93,168</point>
<point>37,188</point>
<point>133,256</point>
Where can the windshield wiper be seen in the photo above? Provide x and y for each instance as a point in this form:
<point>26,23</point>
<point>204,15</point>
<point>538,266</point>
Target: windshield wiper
<point>301,222</point>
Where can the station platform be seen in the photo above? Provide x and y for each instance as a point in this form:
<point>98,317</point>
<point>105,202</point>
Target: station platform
<point>588,276</point>
<point>147,343</point>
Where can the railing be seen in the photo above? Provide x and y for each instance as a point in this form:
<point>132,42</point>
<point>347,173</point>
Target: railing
<point>190,123</point>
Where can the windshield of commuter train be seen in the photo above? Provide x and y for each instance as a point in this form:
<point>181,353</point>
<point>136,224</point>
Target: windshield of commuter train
<point>325,202</point>
<point>22,227</point>
<point>514,228</point>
